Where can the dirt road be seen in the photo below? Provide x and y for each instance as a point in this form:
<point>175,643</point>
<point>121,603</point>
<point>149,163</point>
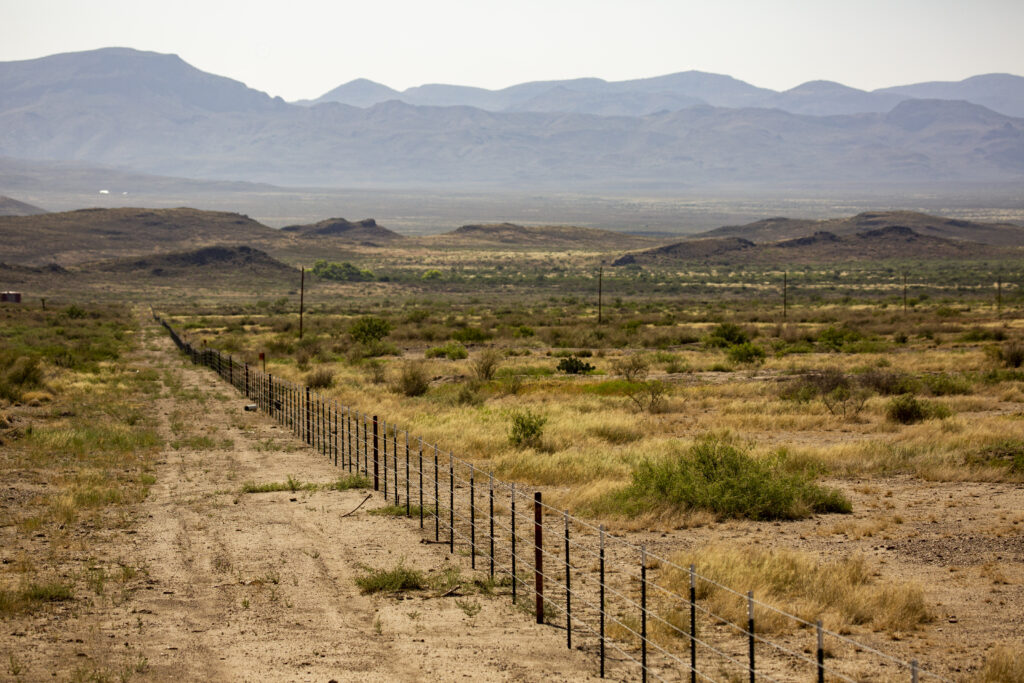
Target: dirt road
<point>225,585</point>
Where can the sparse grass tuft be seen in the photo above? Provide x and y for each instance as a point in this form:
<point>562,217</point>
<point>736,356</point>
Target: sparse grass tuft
<point>292,485</point>
<point>400,578</point>
<point>352,481</point>
<point>399,511</point>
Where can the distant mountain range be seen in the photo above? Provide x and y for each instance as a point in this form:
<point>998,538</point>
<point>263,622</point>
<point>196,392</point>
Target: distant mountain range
<point>154,113</point>
<point>1003,93</point>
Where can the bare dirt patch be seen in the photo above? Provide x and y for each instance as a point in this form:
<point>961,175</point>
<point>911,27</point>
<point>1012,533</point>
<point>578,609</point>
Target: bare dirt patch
<point>220,585</point>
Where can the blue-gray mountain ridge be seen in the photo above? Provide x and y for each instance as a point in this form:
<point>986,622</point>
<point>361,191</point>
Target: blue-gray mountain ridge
<point>154,113</point>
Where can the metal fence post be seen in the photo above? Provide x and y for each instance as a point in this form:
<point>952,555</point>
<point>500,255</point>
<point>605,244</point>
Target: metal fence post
<point>451,503</point>
<point>420,473</point>
<point>309,417</point>
<point>538,556</point>
<point>515,576</point>
<point>472,517</point>
<point>408,502</point>
<point>568,585</point>
<point>601,584</point>
<point>750,630</point>
<point>693,623</point>
<point>437,501</point>
<point>490,496</point>
<point>376,474</point>
<point>821,652</point>
<point>643,613</point>
<point>384,425</point>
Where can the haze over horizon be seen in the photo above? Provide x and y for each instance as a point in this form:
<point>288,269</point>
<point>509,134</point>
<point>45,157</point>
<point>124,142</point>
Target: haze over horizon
<point>315,46</point>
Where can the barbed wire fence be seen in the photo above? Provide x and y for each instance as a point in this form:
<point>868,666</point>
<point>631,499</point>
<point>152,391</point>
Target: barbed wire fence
<point>637,613</point>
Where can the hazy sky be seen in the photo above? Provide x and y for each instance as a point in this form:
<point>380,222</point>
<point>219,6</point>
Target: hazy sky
<point>303,48</point>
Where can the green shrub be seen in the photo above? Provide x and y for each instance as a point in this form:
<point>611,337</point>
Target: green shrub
<point>470,335</point>
<point>369,330</point>
<point>527,429</point>
<point>745,353</point>
<point>981,334</point>
<point>451,351</point>
<point>716,476</point>
<point>907,409</point>
<point>833,338</point>
<point>1011,354</point>
<point>726,334</point>
<point>887,382</point>
<point>574,366</point>
<point>341,272</point>
<point>412,379</point>
<point>946,385</point>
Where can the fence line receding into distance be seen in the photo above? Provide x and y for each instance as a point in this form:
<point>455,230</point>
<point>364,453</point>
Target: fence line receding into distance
<point>636,613</point>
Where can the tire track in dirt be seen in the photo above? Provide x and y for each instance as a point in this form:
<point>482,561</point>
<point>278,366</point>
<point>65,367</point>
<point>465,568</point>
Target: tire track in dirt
<point>261,586</point>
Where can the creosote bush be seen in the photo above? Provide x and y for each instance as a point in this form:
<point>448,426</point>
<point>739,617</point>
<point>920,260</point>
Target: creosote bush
<point>369,329</point>
<point>574,366</point>
<point>1010,354</point>
<point>745,353</point>
<point>725,335</point>
<point>527,429</point>
<point>633,368</point>
<point>908,409</point>
<point>718,477</point>
<point>452,351</point>
<point>321,378</point>
<point>485,364</point>
<point>412,379</point>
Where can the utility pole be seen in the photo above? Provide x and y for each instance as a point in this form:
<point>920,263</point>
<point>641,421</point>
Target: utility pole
<point>999,294</point>
<point>302,297</point>
<point>600,276</point>
<point>785,294</point>
<point>904,293</point>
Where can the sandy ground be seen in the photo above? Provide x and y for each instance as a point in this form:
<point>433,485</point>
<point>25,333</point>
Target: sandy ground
<point>256,587</point>
<point>234,586</point>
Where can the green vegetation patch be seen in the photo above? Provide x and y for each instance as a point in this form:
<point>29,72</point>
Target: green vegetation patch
<point>718,477</point>
<point>398,579</point>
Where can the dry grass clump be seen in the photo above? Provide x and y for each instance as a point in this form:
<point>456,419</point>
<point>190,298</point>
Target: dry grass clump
<point>412,379</point>
<point>485,364</point>
<point>1005,664</point>
<point>844,593</point>
<point>321,378</point>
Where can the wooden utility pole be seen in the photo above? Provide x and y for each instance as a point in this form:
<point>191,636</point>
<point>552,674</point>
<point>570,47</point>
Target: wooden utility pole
<point>904,293</point>
<point>999,294</point>
<point>785,294</point>
<point>302,297</point>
